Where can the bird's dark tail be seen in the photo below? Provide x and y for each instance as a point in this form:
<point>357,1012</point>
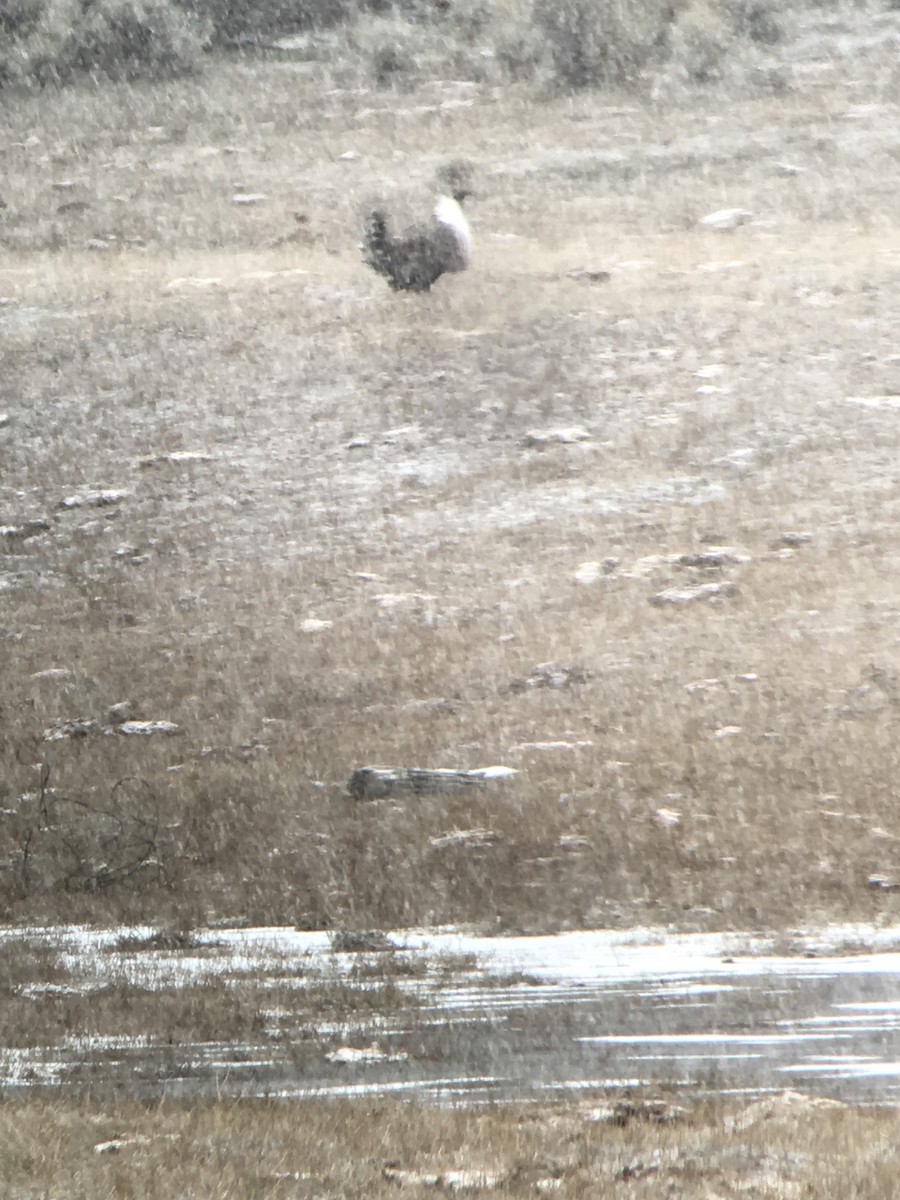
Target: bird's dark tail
<point>376,243</point>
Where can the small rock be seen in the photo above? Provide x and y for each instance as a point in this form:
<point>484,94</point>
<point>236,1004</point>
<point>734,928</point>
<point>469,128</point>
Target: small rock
<point>562,436</point>
<point>668,818</point>
<point>248,198</point>
<point>590,572</point>
<point>5,420</point>
<point>350,1055</point>
<point>196,281</point>
<point>882,883</point>
<point>177,458</point>
<point>792,538</point>
<point>358,443</point>
<point>727,731</point>
<point>312,625</point>
<point>61,731</point>
<point>786,169</point>
<point>99,499</point>
<point>541,746</point>
<point>402,599</point>
<point>549,675</point>
<point>145,728</point>
<point>28,529</point>
<point>469,1179</point>
<point>589,274</point>
<point>705,591</point>
<point>715,556</point>
<point>118,714</point>
<point>726,218</point>
<point>470,839</point>
<point>574,843</point>
<point>486,774</point>
<point>348,156</point>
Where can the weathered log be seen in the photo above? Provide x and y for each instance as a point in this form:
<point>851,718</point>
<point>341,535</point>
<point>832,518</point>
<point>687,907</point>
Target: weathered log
<point>382,783</point>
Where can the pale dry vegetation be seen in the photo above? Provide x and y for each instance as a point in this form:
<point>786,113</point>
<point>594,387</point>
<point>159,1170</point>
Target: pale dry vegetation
<point>366,460</point>
<point>774,1148</point>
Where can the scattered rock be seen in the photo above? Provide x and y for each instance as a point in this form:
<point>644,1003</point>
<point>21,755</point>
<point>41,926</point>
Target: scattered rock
<point>102,498</point>
<point>470,1179</point>
<point>350,1055</point>
<point>590,274</point>
<point>381,783</point>
<point>715,556</point>
<point>564,436</point>
<point>625,1112</point>
<point>118,714</point>
<point>177,458</point>
<point>520,747</point>
<point>574,843</point>
<point>313,625</point>
<point>116,1144</point>
<point>793,539</point>
<point>145,728</point>
<point>403,599</point>
<point>705,591</point>
<point>590,572</point>
<point>726,218</point>
<point>882,883</point>
<point>549,675</point>
<point>469,839</point>
<point>81,727</point>
<point>196,281</point>
<point>28,529</point>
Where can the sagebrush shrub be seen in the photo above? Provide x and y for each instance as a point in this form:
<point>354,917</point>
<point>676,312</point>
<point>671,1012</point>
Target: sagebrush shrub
<point>598,42</point>
<point>234,21</point>
<point>51,41</point>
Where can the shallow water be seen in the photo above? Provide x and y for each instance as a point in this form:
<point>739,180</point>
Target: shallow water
<point>483,1018</point>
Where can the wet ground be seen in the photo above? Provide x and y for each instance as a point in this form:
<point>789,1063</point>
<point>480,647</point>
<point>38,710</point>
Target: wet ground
<point>477,1018</point>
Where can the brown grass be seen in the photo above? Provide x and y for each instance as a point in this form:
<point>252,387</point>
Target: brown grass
<point>773,1148</point>
<point>254,335</point>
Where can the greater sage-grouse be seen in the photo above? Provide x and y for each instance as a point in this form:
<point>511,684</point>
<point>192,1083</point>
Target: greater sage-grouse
<point>412,261</point>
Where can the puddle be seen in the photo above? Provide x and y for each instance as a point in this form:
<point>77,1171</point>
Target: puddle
<point>477,1018</point>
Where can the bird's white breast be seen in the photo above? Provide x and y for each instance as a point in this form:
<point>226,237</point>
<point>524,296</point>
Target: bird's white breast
<point>448,213</point>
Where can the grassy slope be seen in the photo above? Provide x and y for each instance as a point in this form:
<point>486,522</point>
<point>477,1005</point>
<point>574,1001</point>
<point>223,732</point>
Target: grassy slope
<point>712,372</point>
<point>773,1148</point>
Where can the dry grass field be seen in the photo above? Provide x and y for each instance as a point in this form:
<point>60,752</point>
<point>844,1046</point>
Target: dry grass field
<point>773,1149</point>
<point>313,524</point>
